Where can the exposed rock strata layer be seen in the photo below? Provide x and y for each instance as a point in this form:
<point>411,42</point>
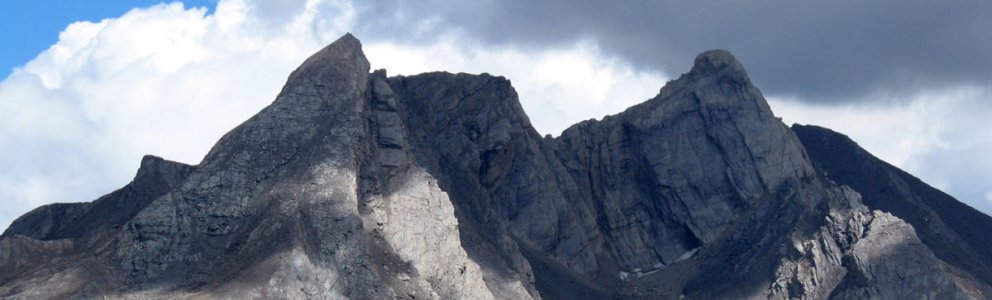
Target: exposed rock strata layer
<point>357,185</point>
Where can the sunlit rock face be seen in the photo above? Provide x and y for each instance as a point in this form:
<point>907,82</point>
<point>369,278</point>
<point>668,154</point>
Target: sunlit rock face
<point>356,185</point>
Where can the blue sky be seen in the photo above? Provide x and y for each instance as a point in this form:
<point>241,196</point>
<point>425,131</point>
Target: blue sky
<point>29,27</point>
<point>102,83</point>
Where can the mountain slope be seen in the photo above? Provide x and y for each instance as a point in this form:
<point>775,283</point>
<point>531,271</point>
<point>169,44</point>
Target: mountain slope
<point>354,184</point>
<point>954,231</point>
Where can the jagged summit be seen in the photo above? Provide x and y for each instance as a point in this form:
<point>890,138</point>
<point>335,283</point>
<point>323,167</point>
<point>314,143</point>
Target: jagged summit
<point>435,186</point>
<point>342,63</point>
<point>344,50</point>
<point>717,82</point>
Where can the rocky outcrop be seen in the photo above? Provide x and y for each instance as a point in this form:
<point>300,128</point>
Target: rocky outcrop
<point>953,231</point>
<point>354,184</point>
<point>671,174</point>
<point>50,251</point>
<point>860,253</point>
<point>155,177</point>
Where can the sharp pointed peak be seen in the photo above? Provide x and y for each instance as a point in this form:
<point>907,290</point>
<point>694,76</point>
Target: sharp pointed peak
<point>346,41</point>
<point>348,36</point>
<point>345,52</point>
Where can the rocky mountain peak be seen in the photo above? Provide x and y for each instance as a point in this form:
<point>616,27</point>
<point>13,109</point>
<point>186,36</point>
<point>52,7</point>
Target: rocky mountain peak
<point>435,186</point>
<point>344,51</point>
<point>154,168</point>
<point>721,62</point>
<point>341,62</point>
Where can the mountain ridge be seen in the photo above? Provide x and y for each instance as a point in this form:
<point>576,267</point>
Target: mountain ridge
<point>949,226</point>
<point>353,184</point>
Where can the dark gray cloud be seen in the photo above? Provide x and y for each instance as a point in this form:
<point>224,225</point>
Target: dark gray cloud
<point>830,51</point>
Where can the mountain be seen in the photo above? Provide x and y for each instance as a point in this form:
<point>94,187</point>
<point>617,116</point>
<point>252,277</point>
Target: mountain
<point>357,185</point>
<point>955,232</point>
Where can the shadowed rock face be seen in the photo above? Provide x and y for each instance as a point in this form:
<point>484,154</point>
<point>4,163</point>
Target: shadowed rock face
<point>354,184</point>
<point>155,177</point>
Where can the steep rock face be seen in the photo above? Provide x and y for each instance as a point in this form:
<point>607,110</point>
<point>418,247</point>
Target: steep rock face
<point>312,197</point>
<point>955,232</point>
<point>357,185</point>
<point>320,176</point>
<point>283,184</point>
<point>704,168</point>
<point>861,253</point>
<point>699,153</point>
<point>502,176</point>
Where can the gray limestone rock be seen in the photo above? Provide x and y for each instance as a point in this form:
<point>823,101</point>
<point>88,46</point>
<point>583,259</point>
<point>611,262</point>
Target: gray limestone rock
<point>353,184</point>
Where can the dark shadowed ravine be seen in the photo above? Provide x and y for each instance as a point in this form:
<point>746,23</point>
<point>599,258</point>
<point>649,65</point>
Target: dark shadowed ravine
<point>356,185</point>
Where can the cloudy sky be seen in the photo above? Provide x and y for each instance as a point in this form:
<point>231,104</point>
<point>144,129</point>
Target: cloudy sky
<point>89,88</point>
